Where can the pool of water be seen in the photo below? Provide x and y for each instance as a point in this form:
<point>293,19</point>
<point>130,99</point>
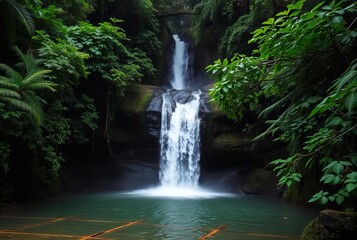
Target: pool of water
<point>114,215</point>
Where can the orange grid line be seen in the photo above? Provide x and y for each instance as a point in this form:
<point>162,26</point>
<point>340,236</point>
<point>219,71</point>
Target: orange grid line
<point>93,236</point>
<point>262,234</point>
<point>93,220</point>
<point>69,218</point>
<point>213,232</point>
<point>39,224</point>
<point>112,229</point>
<point>269,235</point>
<point>49,235</point>
<point>5,216</point>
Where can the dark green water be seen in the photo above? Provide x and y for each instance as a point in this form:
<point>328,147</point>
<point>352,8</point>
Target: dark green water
<point>244,218</point>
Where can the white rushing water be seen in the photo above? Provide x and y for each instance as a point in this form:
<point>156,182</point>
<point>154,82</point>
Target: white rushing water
<point>180,64</point>
<point>180,143</point>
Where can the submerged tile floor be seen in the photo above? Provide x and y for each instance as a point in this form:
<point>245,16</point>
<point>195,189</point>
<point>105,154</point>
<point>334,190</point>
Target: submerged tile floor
<point>75,227</point>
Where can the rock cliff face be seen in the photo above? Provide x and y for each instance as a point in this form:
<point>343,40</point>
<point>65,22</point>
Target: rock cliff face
<point>138,121</point>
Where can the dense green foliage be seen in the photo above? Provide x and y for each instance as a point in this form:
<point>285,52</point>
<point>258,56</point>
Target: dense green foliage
<point>62,91</point>
<point>304,72</point>
<point>227,25</point>
<point>71,11</point>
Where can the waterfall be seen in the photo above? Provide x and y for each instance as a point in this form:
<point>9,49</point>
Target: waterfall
<point>179,136</point>
<point>180,64</point>
<point>180,129</point>
<point>180,143</point>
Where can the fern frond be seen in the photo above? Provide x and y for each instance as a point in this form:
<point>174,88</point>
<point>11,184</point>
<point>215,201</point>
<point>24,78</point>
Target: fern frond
<point>23,15</point>
<point>35,77</point>
<point>18,104</point>
<point>35,103</point>
<point>7,83</point>
<point>27,61</point>
<point>9,93</point>
<point>10,72</point>
<point>46,85</point>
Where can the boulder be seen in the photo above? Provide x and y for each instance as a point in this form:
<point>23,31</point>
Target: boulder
<point>331,225</point>
<point>232,141</point>
<point>259,181</point>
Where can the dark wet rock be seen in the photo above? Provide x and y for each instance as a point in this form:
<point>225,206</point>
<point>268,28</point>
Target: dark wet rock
<point>232,141</point>
<point>155,103</point>
<point>331,225</point>
<point>181,96</point>
<point>259,181</point>
<point>204,106</point>
<point>153,113</point>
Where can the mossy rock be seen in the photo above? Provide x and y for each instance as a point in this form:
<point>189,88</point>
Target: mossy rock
<point>232,141</point>
<point>137,97</point>
<point>331,225</point>
<point>315,231</point>
<point>129,124</point>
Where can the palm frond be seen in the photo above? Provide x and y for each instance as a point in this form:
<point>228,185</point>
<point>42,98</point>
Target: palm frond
<point>47,85</point>
<point>20,91</point>
<point>10,72</point>
<point>22,14</point>
<point>18,104</point>
<point>35,77</point>
<point>7,83</point>
<point>27,61</point>
<point>7,93</point>
<point>34,102</point>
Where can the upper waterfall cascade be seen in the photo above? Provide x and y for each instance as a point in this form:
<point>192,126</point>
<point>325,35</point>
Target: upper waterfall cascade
<point>180,64</point>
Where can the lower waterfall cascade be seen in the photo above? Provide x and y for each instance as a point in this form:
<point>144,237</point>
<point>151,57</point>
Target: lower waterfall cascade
<point>180,143</point>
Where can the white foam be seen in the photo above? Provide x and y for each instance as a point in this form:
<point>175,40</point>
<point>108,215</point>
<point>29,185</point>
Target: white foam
<point>179,192</point>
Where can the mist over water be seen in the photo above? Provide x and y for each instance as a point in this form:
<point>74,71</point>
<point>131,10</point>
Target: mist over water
<point>180,192</point>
